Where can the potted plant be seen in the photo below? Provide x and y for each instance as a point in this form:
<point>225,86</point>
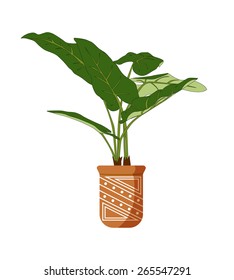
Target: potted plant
<point>121,185</point>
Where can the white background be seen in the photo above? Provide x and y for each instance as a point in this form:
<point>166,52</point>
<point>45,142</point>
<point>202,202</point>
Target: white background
<point>49,183</point>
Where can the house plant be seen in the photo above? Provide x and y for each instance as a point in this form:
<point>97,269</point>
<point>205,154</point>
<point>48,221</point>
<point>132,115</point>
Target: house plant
<point>121,193</point>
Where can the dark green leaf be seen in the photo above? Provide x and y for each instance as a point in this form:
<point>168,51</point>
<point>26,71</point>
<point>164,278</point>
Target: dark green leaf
<point>143,63</point>
<point>93,65</point>
<point>75,116</point>
<point>148,85</point>
<point>143,104</point>
<point>108,81</point>
<point>68,53</point>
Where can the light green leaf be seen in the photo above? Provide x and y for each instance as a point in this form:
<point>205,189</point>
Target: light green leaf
<point>148,85</point>
<point>144,104</point>
<point>195,87</point>
<point>77,117</point>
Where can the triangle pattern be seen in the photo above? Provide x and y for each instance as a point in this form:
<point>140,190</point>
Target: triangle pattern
<point>110,214</point>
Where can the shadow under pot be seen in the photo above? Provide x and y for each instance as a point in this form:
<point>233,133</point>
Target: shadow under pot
<point>121,195</point>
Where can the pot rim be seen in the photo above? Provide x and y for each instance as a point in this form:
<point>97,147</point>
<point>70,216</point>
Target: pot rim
<point>121,169</point>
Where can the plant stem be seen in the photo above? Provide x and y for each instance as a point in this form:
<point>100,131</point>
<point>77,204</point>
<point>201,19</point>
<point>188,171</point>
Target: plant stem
<point>112,126</point>
<point>108,144</point>
<point>118,132</point>
<point>118,142</point>
<point>125,128</point>
<point>118,161</point>
<point>136,118</point>
<point>130,71</point>
<point>125,140</point>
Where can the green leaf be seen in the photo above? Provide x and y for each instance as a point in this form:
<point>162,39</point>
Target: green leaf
<point>77,117</point>
<point>108,81</point>
<point>144,104</point>
<point>68,53</point>
<point>143,63</point>
<point>148,85</point>
<point>93,65</point>
<point>195,87</point>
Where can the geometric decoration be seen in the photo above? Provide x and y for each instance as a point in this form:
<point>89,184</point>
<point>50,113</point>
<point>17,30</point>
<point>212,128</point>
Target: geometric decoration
<point>121,200</point>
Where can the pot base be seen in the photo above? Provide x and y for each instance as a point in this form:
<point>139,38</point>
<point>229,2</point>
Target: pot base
<point>115,224</point>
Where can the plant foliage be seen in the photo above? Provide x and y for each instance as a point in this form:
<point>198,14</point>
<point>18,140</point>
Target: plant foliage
<point>131,97</point>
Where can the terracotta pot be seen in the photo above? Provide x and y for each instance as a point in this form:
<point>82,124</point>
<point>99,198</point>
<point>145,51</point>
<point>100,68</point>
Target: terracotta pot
<point>121,195</point>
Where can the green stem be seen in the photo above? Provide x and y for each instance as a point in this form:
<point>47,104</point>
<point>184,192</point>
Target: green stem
<point>126,155</point>
<point>125,127</point>
<point>129,125</point>
<point>130,71</point>
<point>117,143</point>
<point>119,131</point>
<point>108,144</point>
<point>112,126</point>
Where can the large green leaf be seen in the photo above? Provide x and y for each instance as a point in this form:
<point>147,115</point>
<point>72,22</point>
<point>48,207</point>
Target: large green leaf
<point>148,85</point>
<point>93,65</point>
<point>143,104</point>
<point>143,63</point>
<point>108,81</point>
<point>75,116</point>
<point>68,53</point>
